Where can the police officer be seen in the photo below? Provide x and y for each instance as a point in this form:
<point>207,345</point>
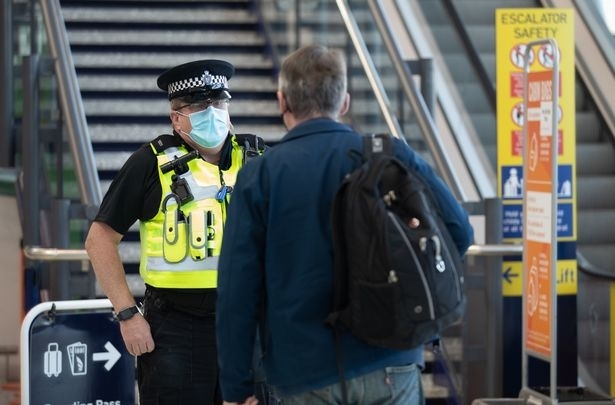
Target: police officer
<point>178,187</point>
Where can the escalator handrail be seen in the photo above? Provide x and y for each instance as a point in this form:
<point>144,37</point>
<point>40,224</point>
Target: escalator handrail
<point>585,266</point>
<point>449,103</point>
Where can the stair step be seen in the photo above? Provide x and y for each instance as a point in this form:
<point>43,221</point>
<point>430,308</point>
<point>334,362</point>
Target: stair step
<point>589,129</point>
<point>147,83</point>
<point>147,37</point>
<point>165,60</point>
<point>147,108</point>
<point>483,36</point>
<point>596,226</point>
<point>595,159</point>
<point>595,192</point>
<point>117,133</point>
<point>147,14</point>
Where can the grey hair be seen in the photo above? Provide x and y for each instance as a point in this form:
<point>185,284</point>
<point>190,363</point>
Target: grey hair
<point>313,80</point>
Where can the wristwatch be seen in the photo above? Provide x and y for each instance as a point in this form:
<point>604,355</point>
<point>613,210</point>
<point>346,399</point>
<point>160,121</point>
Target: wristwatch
<point>126,314</point>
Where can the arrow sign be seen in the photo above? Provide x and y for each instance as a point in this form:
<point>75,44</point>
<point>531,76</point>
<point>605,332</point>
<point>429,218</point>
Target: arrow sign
<point>111,356</point>
<point>508,275</point>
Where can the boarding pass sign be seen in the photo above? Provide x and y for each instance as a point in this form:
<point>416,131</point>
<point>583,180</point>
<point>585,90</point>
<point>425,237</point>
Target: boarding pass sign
<point>79,359</point>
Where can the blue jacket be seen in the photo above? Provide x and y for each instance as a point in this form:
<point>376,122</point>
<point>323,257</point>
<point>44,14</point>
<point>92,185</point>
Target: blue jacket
<point>277,251</point>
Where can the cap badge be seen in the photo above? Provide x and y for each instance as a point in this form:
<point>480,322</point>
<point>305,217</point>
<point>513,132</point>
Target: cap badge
<point>207,79</point>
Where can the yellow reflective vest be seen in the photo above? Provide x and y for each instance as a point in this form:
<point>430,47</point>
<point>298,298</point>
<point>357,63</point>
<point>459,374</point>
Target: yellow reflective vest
<point>181,244</point>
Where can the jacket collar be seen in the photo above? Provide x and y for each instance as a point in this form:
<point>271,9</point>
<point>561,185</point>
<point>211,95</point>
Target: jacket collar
<point>315,126</point>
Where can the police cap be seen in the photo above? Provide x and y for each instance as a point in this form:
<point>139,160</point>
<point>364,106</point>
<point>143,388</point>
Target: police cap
<point>203,79</point>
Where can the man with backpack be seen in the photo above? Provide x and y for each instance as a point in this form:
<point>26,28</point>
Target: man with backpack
<point>276,270</point>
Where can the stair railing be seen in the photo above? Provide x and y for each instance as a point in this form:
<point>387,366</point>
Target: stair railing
<point>45,217</point>
<point>265,27</point>
<point>71,104</point>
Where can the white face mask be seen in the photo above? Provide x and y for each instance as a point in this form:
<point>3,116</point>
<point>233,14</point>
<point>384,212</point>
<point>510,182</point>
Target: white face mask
<point>209,127</point>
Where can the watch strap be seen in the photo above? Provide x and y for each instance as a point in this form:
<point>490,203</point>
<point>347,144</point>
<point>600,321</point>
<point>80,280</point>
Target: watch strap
<point>126,314</point>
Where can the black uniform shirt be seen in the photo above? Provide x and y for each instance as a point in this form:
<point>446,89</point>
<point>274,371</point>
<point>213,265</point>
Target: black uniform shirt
<point>134,193</point>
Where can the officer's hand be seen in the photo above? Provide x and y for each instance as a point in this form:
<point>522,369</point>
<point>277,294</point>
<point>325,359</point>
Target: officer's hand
<point>137,335</point>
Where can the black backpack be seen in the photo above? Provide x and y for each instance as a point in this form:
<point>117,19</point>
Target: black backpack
<point>396,286</point>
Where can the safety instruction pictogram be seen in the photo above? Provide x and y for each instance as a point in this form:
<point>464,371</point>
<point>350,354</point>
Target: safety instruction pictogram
<point>517,55</point>
<point>547,55</point>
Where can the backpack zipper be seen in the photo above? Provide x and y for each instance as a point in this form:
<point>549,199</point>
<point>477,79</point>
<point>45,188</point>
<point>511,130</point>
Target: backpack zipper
<point>432,312</point>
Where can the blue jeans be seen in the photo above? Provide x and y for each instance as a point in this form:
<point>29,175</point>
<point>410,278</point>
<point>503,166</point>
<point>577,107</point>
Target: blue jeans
<point>389,386</point>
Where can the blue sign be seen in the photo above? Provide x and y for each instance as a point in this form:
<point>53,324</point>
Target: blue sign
<point>512,221</point>
<point>79,359</point>
<point>564,182</point>
<point>564,220</point>
<point>512,182</point>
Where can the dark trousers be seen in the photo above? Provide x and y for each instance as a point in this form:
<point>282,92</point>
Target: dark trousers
<point>183,367</point>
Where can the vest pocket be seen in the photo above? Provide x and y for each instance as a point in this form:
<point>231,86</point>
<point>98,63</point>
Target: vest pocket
<point>198,237</point>
<point>174,240</point>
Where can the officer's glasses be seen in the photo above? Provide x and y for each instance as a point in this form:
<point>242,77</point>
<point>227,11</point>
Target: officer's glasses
<point>202,105</point>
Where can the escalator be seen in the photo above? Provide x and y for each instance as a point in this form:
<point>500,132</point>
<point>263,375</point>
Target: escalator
<point>464,31</point>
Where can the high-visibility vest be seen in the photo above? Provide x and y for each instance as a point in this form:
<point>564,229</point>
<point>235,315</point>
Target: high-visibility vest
<point>181,244</point>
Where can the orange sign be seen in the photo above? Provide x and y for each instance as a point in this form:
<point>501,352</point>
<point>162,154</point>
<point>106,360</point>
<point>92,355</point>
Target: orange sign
<point>538,212</point>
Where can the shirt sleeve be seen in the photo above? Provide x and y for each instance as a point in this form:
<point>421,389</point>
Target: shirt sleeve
<point>134,193</point>
<point>452,212</point>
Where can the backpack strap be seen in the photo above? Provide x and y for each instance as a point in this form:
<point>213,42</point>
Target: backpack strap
<point>377,144</point>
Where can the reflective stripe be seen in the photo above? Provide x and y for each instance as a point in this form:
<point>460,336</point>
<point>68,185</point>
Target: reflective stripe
<point>159,264</point>
<point>183,279</point>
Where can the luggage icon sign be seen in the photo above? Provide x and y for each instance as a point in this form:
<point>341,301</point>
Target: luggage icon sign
<point>78,358</point>
<point>53,360</point>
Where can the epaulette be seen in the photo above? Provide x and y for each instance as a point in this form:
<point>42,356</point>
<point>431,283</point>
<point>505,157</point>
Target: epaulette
<point>164,142</point>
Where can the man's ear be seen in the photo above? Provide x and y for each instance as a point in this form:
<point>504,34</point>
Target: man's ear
<point>281,102</point>
<point>175,121</point>
<point>345,105</point>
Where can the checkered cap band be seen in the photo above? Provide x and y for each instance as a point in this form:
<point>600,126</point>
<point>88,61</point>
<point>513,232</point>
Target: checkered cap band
<point>205,81</point>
